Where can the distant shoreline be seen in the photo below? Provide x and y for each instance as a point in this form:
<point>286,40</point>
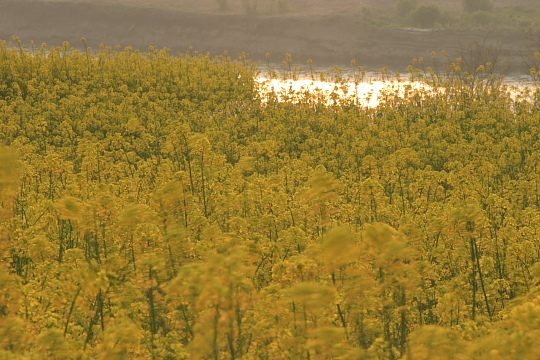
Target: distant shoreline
<point>327,42</point>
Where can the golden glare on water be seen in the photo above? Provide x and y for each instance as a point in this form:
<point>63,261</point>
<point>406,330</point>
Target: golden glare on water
<point>366,94</point>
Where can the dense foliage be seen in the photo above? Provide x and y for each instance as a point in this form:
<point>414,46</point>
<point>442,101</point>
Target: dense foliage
<point>153,207</point>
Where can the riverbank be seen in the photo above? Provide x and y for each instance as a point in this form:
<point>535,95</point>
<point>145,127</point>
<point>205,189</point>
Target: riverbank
<point>327,40</point>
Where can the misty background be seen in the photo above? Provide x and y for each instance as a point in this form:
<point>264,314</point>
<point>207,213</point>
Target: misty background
<point>330,32</point>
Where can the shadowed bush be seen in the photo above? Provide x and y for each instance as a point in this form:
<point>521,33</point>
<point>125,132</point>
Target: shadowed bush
<point>426,16</point>
<point>477,5</point>
<point>405,7</point>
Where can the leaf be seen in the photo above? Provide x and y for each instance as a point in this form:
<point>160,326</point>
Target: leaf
<point>338,248</point>
<point>9,168</point>
<point>70,208</point>
<point>434,342</point>
<point>313,295</point>
<point>136,214</point>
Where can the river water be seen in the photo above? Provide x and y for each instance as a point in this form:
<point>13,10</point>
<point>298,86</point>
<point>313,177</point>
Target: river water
<point>367,94</point>
<point>367,88</point>
<point>367,91</point>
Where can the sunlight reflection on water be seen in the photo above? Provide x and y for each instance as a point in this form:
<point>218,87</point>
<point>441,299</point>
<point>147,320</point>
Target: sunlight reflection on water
<point>366,94</point>
<point>363,93</point>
